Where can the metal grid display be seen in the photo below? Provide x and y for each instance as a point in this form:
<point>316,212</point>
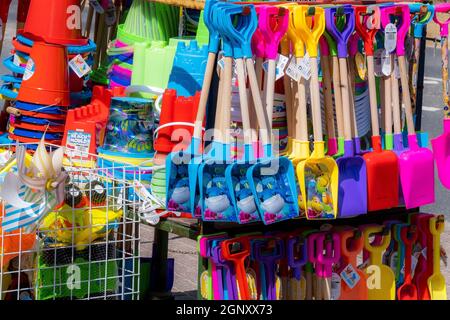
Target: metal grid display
<point>89,248</point>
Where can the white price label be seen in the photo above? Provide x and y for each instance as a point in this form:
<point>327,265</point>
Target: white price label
<point>293,70</point>
<point>377,57</point>
<point>390,37</point>
<point>16,60</point>
<point>305,67</point>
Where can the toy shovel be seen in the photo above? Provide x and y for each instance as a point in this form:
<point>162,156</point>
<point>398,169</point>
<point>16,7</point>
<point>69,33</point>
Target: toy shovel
<point>230,293</point>
<point>318,175</point>
<point>354,283</point>
<point>426,268</point>
<point>385,278</point>
<point>313,252</point>
<point>416,165</point>
<point>441,144</point>
<point>382,165</point>
<point>408,290</point>
<point>352,168</point>
<point>436,283</point>
<point>297,257</point>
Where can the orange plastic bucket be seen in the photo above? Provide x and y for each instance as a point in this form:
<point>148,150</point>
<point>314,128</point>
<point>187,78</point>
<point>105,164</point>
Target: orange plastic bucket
<point>54,21</point>
<point>46,77</point>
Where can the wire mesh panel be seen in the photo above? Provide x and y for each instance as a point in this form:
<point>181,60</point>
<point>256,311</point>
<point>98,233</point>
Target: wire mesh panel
<point>86,247</point>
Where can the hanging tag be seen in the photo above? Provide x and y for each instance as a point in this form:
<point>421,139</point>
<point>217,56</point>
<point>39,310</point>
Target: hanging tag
<point>29,70</point>
<point>305,67</point>
<point>424,253</point>
<point>16,60</point>
<point>335,286</point>
<point>396,69</point>
<point>377,61</point>
<point>79,66</point>
<point>390,37</point>
<point>350,276</point>
<point>414,262</point>
<point>293,71</point>
<point>220,64</point>
<point>281,63</point>
<point>361,66</point>
<point>97,6</point>
<point>386,63</point>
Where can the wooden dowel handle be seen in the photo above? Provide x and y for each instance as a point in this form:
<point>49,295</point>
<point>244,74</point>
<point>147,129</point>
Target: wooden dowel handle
<point>338,97</point>
<point>405,95</point>
<point>204,95</point>
<point>396,103</point>
<point>301,116</point>
<point>315,101</point>
<point>387,105</point>
<point>243,101</point>
<point>226,99</point>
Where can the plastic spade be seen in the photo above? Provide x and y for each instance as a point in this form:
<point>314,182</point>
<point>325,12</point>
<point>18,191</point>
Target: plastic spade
<point>352,168</point>
<point>436,283</point>
<point>313,252</point>
<point>272,34</point>
<point>354,284</point>
<point>416,164</point>
<point>441,144</point>
<point>426,269</point>
<point>230,292</point>
<point>297,257</point>
<point>318,175</point>
<point>382,165</point>
<point>237,250</point>
<point>269,252</point>
<point>408,291</point>
<point>385,289</point>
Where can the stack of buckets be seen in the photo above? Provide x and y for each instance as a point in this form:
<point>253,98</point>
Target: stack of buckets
<point>45,84</point>
<point>55,31</point>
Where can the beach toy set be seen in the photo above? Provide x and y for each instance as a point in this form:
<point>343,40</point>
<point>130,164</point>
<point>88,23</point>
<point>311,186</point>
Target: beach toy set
<point>312,264</point>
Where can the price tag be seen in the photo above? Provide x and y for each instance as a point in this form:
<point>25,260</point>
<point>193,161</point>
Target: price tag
<point>16,60</point>
<point>361,66</point>
<point>335,286</point>
<point>396,69</point>
<point>305,67</point>
<point>350,276</point>
<point>377,61</point>
<point>79,66</point>
<point>29,70</point>
<point>386,63</point>
<point>280,66</point>
<point>390,37</point>
<point>97,6</point>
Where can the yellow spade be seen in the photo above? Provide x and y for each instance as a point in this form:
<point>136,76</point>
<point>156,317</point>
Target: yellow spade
<point>436,282</point>
<point>381,278</point>
<point>318,175</point>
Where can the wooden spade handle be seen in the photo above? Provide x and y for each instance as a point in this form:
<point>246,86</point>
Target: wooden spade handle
<point>288,99</point>
<point>259,71</point>
<point>405,95</point>
<point>218,121</point>
<point>326,288</point>
<point>243,101</point>
<point>328,97</point>
<point>226,100</point>
<point>338,96</point>
<point>204,95</point>
<point>315,101</point>
<point>301,125</point>
<point>373,96</point>
<point>345,98</point>
<point>351,93</point>
<point>259,109</point>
